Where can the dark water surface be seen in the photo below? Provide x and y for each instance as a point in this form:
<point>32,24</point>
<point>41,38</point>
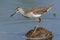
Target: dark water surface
<point>14,28</point>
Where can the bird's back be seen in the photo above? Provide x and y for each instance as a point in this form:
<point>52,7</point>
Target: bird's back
<point>38,10</point>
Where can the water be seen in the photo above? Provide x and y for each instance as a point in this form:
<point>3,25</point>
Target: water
<point>14,28</point>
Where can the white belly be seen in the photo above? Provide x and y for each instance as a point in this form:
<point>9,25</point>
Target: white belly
<point>31,15</point>
<point>36,15</point>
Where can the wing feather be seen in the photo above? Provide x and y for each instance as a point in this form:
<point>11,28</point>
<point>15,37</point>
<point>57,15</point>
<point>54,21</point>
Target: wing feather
<point>38,10</point>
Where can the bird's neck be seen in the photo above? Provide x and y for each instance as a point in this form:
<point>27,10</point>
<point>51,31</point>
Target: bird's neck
<point>22,11</point>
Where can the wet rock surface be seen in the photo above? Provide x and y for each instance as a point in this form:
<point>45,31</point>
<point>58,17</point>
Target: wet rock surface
<point>40,34</point>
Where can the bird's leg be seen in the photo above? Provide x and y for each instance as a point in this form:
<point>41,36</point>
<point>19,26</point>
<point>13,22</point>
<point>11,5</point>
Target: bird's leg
<point>38,25</point>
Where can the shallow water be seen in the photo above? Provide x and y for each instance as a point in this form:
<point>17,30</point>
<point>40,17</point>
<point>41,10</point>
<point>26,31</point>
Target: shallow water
<point>14,28</point>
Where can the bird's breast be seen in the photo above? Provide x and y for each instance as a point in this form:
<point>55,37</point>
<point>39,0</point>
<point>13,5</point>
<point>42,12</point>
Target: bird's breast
<point>32,15</point>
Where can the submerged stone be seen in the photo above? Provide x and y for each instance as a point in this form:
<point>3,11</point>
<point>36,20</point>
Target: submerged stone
<point>40,34</point>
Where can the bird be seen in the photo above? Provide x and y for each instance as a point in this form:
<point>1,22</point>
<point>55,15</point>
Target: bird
<point>33,13</point>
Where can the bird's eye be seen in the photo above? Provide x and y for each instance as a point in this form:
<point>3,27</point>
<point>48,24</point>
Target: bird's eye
<point>17,10</point>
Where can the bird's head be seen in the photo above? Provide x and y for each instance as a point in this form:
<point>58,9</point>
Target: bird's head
<point>18,10</point>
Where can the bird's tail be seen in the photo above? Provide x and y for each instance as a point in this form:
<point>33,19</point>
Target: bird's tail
<point>49,7</point>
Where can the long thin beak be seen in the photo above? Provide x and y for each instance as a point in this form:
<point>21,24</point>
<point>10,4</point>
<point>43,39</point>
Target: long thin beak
<point>13,14</point>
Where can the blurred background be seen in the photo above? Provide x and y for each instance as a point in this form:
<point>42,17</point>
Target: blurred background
<point>14,28</point>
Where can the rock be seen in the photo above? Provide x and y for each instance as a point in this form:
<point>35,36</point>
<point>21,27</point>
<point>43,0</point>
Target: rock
<point>40,34</point>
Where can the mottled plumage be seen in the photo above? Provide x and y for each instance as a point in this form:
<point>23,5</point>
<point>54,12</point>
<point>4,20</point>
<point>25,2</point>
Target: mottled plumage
<point>35,12</point>
<point>38,10</point>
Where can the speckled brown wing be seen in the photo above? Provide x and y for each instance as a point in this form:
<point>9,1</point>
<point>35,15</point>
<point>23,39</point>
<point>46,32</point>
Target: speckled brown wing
<point>38,10</point>
<point>41,10</point>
